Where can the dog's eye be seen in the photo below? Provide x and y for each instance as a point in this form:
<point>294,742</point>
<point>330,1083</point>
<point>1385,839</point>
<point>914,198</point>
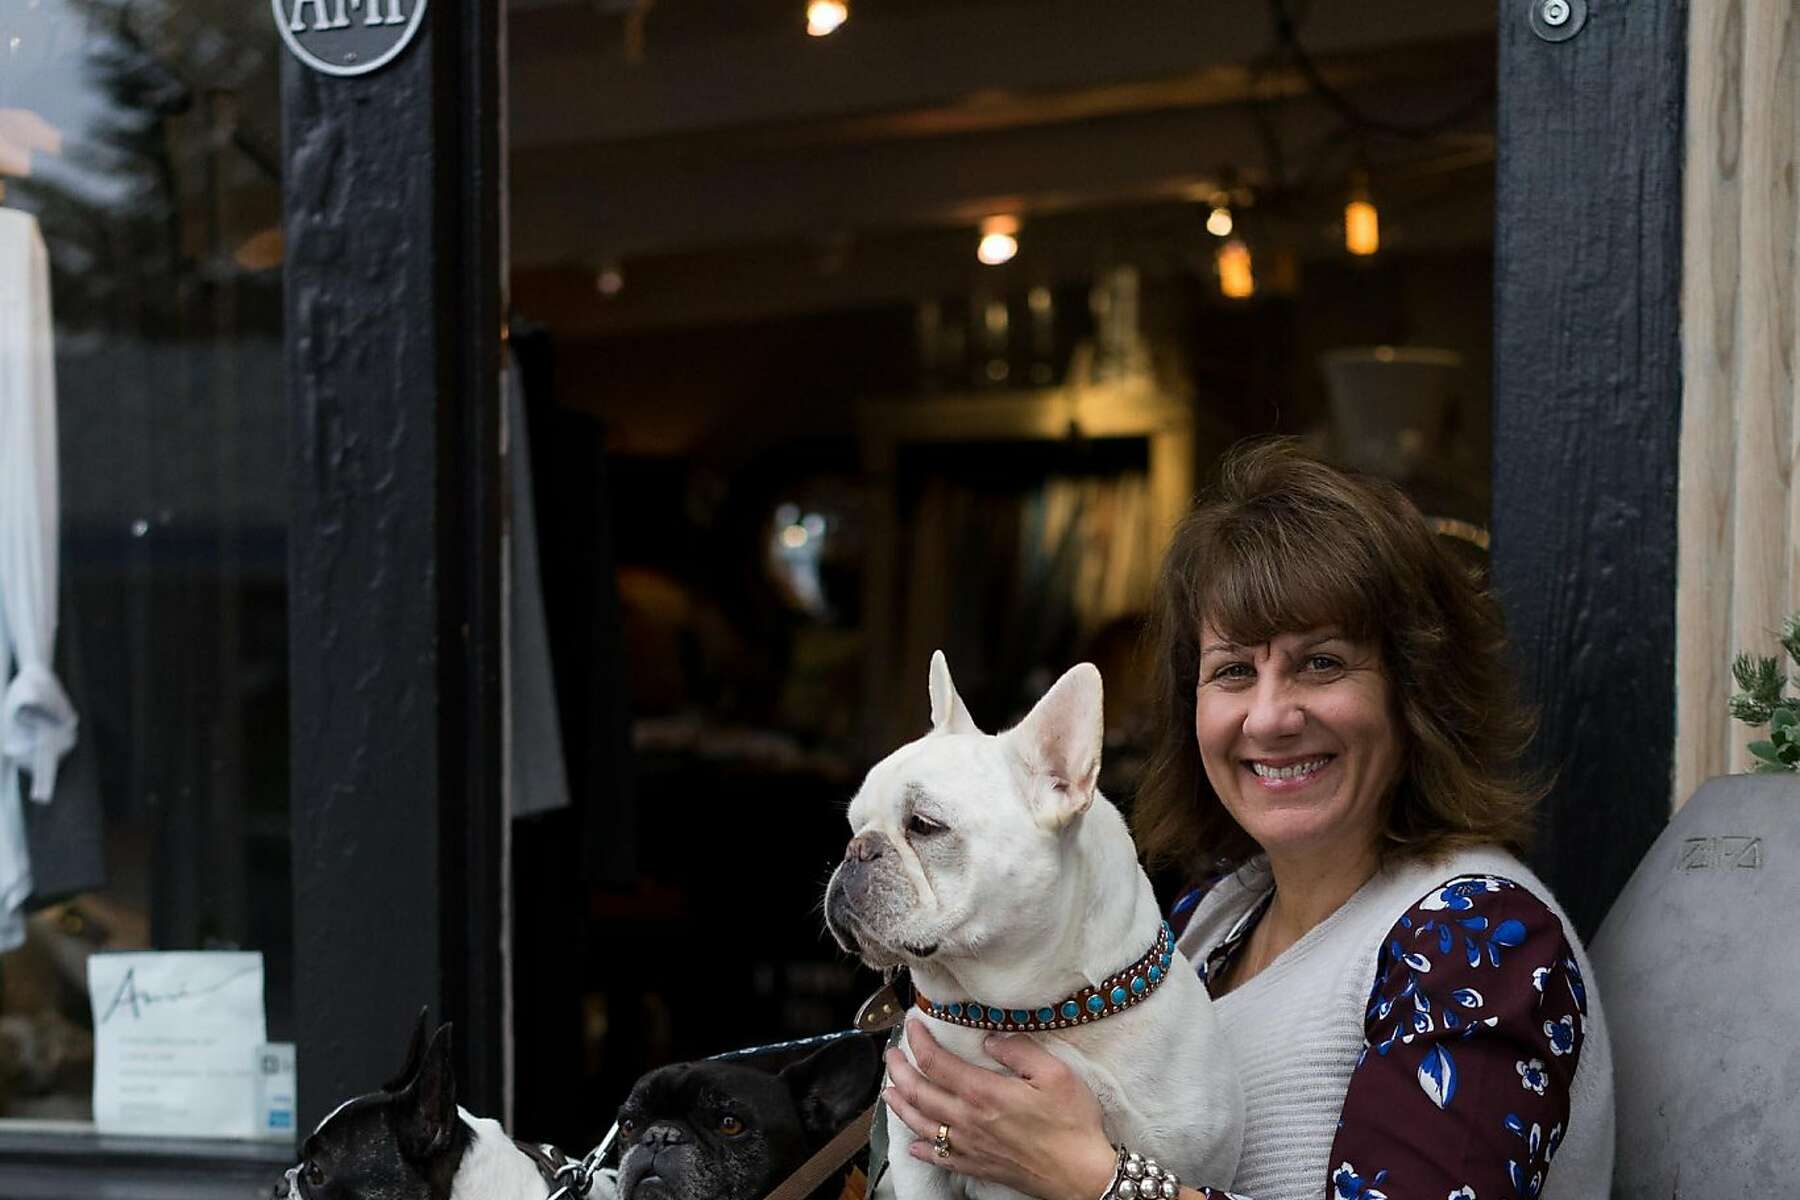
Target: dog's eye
<point>627,1127</point>
<point>315,1175</point>
<point>923,826</point>
<point>730,1126</point>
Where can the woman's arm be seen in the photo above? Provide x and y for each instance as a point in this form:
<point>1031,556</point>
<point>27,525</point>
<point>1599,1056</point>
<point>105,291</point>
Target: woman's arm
<point>1037,1131</point>
<point>1474,1029</point>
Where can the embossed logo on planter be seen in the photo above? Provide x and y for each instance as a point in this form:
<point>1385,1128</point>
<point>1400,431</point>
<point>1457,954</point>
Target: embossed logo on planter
<point>1741,853</point>
<point>347,37</point>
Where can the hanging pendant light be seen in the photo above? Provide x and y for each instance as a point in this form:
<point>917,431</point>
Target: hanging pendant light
<point>1362,223</point>
<point>1237,277</point>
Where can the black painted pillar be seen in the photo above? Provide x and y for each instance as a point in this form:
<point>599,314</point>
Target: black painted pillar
<point>1587,391</point>
<point>393,340</point>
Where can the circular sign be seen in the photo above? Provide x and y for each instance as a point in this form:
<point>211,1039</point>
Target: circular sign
<point>347,37</point>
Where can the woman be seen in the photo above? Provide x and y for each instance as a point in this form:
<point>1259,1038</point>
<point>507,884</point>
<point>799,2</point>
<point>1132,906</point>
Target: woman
<point>1406,1000</point>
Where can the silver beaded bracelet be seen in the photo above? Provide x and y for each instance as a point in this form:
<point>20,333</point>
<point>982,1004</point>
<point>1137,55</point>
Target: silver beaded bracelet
<point>1138,1178</point>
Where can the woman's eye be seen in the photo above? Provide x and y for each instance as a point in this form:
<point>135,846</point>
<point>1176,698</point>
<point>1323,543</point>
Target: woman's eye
<point>730,1126</point>
<point>923,826</point>
<point>1235,670</point>
<point>1324,662</point>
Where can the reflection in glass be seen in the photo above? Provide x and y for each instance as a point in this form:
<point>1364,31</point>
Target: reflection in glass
<point>142,138</point>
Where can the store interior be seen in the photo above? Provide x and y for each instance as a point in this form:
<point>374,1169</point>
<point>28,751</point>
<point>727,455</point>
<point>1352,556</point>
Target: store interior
<point>916,329</point>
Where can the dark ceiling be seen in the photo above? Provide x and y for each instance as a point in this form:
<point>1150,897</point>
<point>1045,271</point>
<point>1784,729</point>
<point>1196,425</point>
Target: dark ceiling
<point>786,170</point>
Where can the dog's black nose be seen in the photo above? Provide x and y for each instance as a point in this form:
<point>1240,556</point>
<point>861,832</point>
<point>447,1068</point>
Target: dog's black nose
<point>865,847</point>
<point>664,1134</point>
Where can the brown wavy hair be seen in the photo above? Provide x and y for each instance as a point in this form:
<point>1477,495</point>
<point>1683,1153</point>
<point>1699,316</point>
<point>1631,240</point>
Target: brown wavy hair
<point>1285,544</point>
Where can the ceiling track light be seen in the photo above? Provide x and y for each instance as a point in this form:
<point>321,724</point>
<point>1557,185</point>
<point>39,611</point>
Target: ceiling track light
<point>824,17</point>
<point>999,240</point>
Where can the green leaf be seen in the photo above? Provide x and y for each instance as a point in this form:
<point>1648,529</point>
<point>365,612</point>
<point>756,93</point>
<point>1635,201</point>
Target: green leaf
<point>1783,718</point>
<point>1771,769</point>
<point>1749,710</point>
<point>1790,637</point>
<point>1765,751</point>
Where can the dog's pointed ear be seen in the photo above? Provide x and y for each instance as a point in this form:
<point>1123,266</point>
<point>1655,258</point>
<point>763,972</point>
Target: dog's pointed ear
<point>832,1085</point>
<point>427,1111</point>
<point>948,712</point>
<point>415,1054</point>
<point>1058,744</point>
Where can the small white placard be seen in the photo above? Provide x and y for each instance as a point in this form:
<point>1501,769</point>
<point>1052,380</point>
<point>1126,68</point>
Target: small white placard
<point>175,1041</point>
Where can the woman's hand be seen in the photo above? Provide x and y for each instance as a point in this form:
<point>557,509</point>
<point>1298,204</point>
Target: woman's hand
<point>1039,1133</point>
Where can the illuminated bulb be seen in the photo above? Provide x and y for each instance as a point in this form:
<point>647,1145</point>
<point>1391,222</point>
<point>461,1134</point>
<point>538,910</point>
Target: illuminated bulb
<point>999,240</point>
<point>1236,280</point>
<point>1218,221</point>
<point>824,16</point>
<point>1362,226</point>
<point>794,537</point>
<point>610,281</point>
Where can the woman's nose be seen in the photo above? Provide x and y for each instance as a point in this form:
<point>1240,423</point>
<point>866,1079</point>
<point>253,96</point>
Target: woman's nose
<point>1275,712</point>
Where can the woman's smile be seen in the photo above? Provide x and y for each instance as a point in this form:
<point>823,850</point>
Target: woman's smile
<point>1288,774</point>
<point>1298,738</point>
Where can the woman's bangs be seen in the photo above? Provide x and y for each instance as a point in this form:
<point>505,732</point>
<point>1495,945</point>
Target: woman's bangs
<point>1264,583</point>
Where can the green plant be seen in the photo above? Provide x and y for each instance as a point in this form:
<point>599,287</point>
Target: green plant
<point>1762,701</point>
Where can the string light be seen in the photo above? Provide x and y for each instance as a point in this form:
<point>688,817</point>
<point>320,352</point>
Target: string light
<point>1218,221</point>
<point>1237,280</point>
<point>823,17</point>
<point>1362,224</point>
<point>999,240</point>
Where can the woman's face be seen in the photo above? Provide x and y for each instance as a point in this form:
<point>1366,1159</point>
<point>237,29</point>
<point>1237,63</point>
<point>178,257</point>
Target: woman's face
<point>1298,739</point>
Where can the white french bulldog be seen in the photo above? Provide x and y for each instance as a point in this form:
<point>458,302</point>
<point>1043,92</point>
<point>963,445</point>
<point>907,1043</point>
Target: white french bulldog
<point>992,867</point>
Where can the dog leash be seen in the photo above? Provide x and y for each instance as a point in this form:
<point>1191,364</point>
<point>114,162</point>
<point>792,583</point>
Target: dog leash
<point>883,1010</point>
<point>829,1159</point>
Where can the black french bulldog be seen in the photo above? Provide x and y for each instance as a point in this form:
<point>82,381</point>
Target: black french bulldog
<point>689,1131</point>
<point>723,1131</point>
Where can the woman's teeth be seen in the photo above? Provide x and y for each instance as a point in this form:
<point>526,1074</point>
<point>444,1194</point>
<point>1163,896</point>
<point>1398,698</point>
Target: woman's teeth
<point>1294,772</point>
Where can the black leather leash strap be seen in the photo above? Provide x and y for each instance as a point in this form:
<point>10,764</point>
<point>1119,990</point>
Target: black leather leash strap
<point>829,1159</point>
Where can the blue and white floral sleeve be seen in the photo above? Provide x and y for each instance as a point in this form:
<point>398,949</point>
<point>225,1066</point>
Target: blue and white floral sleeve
<point>1473,1032</point>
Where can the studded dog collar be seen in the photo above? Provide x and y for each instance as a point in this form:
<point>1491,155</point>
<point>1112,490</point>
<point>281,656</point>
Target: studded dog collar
<point>1114,994</point>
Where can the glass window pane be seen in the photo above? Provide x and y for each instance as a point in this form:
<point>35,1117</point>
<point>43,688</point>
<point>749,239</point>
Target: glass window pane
<point>141,143</point>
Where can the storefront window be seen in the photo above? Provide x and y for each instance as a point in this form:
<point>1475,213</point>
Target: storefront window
<point>139,147</point>
<point>920,333</point>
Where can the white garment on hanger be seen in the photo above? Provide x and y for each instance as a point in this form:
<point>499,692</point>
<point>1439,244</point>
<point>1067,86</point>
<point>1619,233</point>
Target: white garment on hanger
<point>37,721</point>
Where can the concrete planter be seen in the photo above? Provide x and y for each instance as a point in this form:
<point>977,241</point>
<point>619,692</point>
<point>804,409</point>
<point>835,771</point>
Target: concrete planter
<point>1699,973</point>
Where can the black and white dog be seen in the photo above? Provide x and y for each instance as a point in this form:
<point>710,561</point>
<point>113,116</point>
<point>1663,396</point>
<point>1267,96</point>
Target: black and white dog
<point>689,1131</point>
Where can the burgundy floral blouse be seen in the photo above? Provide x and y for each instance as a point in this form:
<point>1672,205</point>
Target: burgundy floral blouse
<point>1473,1029</point>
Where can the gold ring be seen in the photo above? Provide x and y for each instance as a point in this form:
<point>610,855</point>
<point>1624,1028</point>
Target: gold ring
<point>942,1141</point>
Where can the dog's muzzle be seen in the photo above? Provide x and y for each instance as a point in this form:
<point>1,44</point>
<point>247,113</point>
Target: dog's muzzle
<point>851,885</point>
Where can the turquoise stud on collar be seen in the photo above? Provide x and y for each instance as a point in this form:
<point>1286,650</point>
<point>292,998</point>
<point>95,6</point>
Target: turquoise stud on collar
<point>1114,994</point>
